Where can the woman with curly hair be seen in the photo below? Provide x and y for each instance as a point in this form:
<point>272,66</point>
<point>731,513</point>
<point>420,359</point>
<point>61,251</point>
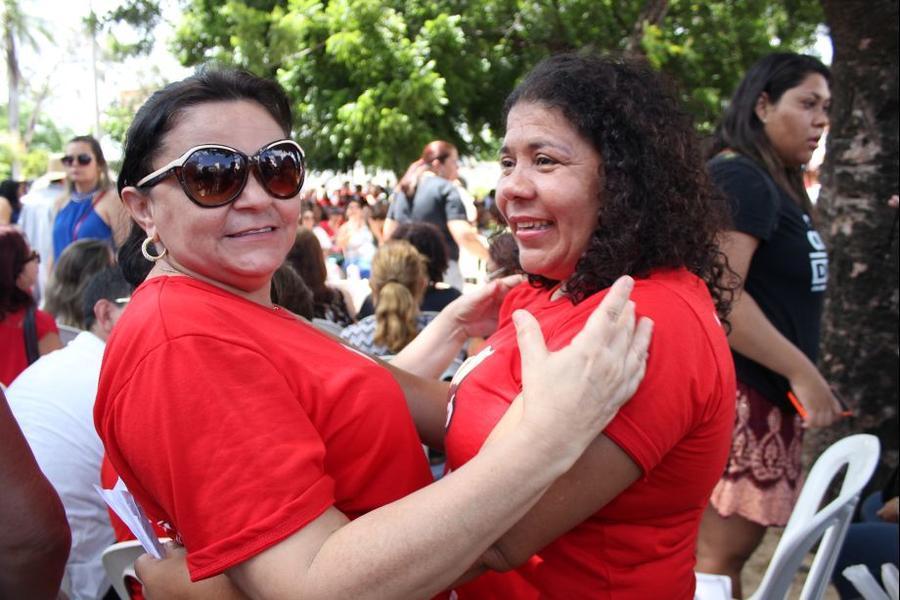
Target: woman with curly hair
<point>601,177</point>
<point>774,122</point>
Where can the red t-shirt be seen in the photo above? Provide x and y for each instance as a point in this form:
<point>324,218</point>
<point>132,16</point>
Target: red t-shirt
<point>237,424</point>
<point>13,359</point>
<point>676,428</point>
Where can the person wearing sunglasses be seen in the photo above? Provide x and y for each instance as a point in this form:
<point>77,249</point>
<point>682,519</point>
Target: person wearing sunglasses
<point>277,455</point>
<point>26,332</point>
<point>89,207</point>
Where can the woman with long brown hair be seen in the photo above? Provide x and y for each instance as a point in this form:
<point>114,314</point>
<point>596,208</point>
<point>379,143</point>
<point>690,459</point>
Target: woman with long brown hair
<point>775,120</point>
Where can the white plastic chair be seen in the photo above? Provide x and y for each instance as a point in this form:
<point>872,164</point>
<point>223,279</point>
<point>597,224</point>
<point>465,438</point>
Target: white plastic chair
<point>118,561</point>
<point>67,333</point>
<point>807,525</point>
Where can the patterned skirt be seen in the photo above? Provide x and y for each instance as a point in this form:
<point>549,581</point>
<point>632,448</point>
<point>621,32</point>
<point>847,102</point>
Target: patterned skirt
<point>764,473</point>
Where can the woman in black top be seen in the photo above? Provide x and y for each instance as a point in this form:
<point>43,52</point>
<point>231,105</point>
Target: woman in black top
<point>774,122</point>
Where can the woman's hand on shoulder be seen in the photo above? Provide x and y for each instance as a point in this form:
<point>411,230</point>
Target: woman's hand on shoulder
<point>476,312</point>
<point>577,390</point>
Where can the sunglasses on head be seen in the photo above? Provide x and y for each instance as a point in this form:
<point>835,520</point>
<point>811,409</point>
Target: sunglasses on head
<point>83,159</point>
<point>213,175</point>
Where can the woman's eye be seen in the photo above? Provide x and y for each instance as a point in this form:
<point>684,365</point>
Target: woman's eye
<point>507,163</point>
<point>543,161</point>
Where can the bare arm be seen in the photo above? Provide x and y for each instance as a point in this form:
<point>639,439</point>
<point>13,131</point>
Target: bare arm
<point>754,336</point>
<point>418,365</point>
<point>571,499</point>
<point>466,236</point>
<point>35,539</point>
<point>49,343</point>
<point>390,225</point>
<point>370,557</point>
<point>113,212</point>
<point>5,211</point>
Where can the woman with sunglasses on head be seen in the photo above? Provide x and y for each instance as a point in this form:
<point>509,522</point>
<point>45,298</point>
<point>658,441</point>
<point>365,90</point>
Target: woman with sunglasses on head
<point>89,208</point>
<point>277,455</point>
<point>774,122</point>
<point>25,332</point>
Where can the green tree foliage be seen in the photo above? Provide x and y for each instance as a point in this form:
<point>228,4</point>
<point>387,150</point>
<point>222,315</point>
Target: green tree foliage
<point>43,136</point>
<point>129,27</point>
<point>373,80</point>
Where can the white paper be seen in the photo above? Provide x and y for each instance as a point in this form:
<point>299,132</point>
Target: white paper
<point>122,503</point>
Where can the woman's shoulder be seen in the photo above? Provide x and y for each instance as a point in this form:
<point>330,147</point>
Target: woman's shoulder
<point>677,300</point>
<point>435,184</point>
<point>45,322</point>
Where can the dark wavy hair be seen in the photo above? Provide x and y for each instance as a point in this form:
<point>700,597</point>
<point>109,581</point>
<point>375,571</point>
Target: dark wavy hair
<point>658,208</point>
<point>9,189</point>
<point>742,131</point>
<point>428,240</point>
<point>13,254</point>
<point>162,112</point>
<point>308,261</point>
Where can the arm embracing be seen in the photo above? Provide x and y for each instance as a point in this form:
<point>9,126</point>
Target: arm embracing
<point>539,440</point>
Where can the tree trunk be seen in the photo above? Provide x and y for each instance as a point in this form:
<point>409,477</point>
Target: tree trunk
<point>859,342</point>
<point>12,75</point>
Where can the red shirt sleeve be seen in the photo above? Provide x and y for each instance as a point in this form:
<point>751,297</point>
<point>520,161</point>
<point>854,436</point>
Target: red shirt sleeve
<point>661,412</point>
<point>231,456</point>
<point>44,324</point>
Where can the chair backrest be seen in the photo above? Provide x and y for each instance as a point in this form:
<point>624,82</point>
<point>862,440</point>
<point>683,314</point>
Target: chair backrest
<point>118,561</point>
<point>67,333</point>
<point>328,326</point>
<point>807,524</point>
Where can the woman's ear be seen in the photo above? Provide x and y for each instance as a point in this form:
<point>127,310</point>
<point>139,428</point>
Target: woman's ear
<point>762,108</point>
<point>141,209</point>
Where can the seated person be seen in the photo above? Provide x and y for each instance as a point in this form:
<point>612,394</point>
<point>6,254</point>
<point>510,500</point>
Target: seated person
<point>398,283</point>
<point>53,401</point>
<point>426,238</point>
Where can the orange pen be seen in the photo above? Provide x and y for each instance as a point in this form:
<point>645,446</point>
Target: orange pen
<point>846,412</point>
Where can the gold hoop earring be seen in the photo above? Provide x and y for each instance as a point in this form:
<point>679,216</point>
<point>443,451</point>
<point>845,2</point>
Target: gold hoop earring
<point>145,250</point>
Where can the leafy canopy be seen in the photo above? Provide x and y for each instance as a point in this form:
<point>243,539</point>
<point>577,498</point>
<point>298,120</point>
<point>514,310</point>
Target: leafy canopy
<point>374,80</point>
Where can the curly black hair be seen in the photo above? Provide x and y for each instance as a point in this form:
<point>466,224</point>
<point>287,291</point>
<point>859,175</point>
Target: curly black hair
<point>658,207</point>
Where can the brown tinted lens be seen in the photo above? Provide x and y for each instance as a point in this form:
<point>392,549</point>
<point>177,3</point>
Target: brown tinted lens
<point>281,169</point>
<point>214,176</point>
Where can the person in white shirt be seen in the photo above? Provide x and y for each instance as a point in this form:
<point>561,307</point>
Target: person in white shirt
<point>36,218</point>
<point>53,402</point>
